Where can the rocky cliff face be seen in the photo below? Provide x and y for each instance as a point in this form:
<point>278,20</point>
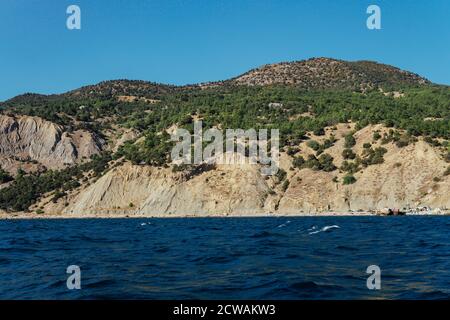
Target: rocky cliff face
<point>143,190</point>
<point>31,141</point>
<point>407,178</point>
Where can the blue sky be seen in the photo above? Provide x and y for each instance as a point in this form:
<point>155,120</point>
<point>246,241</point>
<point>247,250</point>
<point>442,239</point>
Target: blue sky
<point>189,41</point>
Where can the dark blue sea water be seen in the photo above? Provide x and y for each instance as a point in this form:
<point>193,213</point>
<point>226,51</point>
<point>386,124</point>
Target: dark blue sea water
<point>226,258</point>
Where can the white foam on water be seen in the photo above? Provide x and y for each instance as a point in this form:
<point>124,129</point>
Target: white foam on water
<point>324,229</point>
<point>284,224</point>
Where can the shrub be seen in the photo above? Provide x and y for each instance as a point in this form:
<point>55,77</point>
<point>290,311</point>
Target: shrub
<point>326,163</point>
<point>349,179</point>
<point>281,174</point>
<point>373,156</point>
<point>291,151</point>
<point>285,185</point>
<point>319,132</point>
<point>58,195</point>
<point>348,154</point>
<point>349,141</point>
<point>404,140</point>
<point>312,163</point>
<point>298,162</point>
<point>401,143</point>
<point>4,176</point>
<point>313,145</point>
<point>329,142</point>
<point>376,136</point>
<point>350,167</point>
<point>432,142</point>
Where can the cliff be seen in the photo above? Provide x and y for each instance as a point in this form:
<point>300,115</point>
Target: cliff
<point>410,176</point>
<point>27,142</point>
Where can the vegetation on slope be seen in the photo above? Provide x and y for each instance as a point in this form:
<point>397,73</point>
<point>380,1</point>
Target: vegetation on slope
<point>419,108</point>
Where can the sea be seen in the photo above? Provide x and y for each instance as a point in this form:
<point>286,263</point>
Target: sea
<point>226,258</point>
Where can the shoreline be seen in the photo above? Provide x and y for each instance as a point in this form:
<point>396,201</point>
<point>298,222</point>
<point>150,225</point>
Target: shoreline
<point>29,216</point>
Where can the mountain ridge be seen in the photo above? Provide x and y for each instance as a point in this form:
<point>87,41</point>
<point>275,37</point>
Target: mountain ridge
<point>266,74</point>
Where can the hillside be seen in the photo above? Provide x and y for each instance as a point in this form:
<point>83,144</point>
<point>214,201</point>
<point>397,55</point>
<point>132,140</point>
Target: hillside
<point>324,73</point>
<point>355,136</point>
<point>405,179</point>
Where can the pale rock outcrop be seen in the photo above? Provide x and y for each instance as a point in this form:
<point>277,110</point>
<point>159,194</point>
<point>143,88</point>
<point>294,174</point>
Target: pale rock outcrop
<point>411,176</point>
<point>405,179</point>
<point>141,190</point>
<point>25,138</point>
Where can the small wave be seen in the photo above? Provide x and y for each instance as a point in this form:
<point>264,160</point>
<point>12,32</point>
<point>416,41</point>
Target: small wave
<point>284,224</point>
<point>325,229</point>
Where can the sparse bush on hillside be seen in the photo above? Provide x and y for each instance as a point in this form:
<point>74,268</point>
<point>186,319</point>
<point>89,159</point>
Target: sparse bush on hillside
<point>281,174</point>
<point>400,140</point>
<point>292,151</point>
<point>350,167</point>
<point>349,141</point>
<point>312,163</point>
<point>376,136</point>
<point>319,131</point>
<point>348,154</point>
<point>313,145</point>
<point>319,148</point>
<point>373,156</point>
<point>285,185</point>
<point>328,143</point>
<point>432,142</point>
<point>326,163</point>
<point>4,176</point>
<point>298,162</point>
<point>404,140</point>
<point>349,179</point>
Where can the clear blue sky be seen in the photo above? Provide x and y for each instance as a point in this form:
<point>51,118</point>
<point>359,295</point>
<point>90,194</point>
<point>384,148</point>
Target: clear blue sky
<point>189,41</point>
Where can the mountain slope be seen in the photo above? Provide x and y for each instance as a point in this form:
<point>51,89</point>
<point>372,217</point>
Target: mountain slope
<point>323,73</point>
<point>354,136</point>
<point>404,179</point>
<point>314,73</point>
